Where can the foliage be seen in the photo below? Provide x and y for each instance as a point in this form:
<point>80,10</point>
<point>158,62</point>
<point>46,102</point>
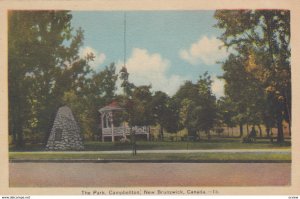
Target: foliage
<point>227,110</point>
<point>139,107</point>
<point>165,112</point>
<point>46,72</point>
<point>259,41</point>
<point>198,110</point>
<point>43,63</point>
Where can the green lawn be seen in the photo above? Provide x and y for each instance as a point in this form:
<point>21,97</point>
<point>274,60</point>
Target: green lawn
<point>152,156</point>
<point>224,143</point>
<point>214,144</point>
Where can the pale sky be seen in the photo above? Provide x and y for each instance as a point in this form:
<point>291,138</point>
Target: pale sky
<point>163,48</point>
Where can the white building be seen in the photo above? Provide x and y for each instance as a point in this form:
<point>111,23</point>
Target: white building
<point>108,128</point>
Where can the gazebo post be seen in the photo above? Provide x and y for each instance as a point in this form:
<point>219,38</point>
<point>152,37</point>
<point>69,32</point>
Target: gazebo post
<point>112,126</point>
<point>124,129</point>
<point>106,120</point>
<point>148,136</point>
<point>102,127</point>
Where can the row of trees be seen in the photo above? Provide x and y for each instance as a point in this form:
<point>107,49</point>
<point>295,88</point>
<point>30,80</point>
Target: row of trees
<point>258,71</point>
<point>193,107</point>
<point>46,72</point>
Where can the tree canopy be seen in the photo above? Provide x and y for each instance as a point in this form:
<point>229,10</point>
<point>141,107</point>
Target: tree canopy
<point>45,71</point>
<point>259,41</point>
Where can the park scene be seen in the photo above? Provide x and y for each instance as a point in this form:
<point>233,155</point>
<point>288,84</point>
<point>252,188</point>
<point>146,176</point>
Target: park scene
<point>163,98</point>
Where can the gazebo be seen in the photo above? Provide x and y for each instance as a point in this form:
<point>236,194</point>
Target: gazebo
<point>108,128</point>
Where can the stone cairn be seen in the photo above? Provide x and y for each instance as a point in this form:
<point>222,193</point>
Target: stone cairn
<point>65,133</point>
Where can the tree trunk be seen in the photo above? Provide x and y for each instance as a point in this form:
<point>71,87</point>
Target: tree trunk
<point>161,132</point>
<point>271,132</point>
<point>208,134</point>
<point>280,137</point>
<point>14,134</point>
<point>16,113</point>
<point>288,111</point>
<point>241,130</point>
<point>268,131</point>
<point>279,119</point>
<point>260,131</point>
<point>247,129</point>
<point>19,133</point>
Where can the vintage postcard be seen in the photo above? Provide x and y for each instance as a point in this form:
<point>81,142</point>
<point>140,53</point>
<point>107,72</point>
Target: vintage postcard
<point>149,98</point>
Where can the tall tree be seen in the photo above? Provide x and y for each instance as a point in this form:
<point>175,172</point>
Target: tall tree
<point>198,110</point>
<point>228,113</point>
<point>165,112</point>
<point>43,62</point>
<point>207,108</point>
<point>139,107</point>
<point>99,90</point>
<point>186,99</point>
<point>159,108</point>
<point>262,37</point>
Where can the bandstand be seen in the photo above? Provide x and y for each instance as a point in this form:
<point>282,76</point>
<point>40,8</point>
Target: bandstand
<point>110,130</point>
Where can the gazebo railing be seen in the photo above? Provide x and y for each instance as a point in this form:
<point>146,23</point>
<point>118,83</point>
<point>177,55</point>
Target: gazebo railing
<point>141,129</point>
<point>120,131</point>
<point>117,131</point>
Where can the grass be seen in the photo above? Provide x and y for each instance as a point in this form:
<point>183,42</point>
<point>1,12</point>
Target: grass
<point>213,144</point>
<point>153,156</point>
<point>33,153</point>
<point>220,143</point>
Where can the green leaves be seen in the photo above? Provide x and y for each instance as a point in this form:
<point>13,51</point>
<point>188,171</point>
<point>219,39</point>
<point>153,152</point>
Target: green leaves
<point>259,70</point>
<point>198,110</point>
<point>43,65</point>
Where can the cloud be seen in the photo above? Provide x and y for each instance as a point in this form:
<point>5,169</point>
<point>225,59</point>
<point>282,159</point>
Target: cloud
<point>99,57</point>
<point>205,50</point>
<point>217,86</point>
<point>145,68</point>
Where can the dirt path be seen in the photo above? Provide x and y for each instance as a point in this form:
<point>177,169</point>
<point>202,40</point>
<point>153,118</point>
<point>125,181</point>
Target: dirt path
<point>148,174</point>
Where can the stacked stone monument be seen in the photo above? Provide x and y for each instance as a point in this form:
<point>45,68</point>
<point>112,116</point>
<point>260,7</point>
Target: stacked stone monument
<point>65,133</point>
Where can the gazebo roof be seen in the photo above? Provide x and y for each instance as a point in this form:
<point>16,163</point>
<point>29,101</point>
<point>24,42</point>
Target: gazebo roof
<point>111,107</point>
